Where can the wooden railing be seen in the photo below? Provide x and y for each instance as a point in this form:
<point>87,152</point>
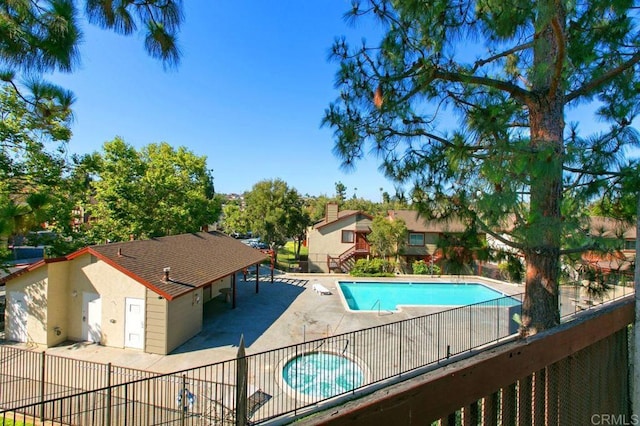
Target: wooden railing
<point>339,262</point>
<point>573,374</point>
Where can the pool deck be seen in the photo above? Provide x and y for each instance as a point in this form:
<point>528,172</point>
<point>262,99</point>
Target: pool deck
<point>286,312</point>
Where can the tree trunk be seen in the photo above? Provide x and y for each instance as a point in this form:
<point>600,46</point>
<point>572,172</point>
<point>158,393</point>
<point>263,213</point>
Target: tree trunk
<point>540,306</point>
<point>544,225</point>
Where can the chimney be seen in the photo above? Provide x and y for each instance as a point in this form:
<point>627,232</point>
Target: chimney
<point>205,228</point>
<point>166,273</point>
<point>119,251</point>
<point>332,212</point>
<point>131,237</point>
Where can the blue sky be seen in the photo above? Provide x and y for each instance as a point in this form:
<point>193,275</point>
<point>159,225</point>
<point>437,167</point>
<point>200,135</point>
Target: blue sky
<point>249,94</point>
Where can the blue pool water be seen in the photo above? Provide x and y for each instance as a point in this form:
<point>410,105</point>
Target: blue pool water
<point>371,296</point>
<point>322,374</point>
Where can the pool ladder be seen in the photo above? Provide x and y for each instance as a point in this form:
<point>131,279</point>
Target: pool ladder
<point>379,305</point>
<point>374,305</point>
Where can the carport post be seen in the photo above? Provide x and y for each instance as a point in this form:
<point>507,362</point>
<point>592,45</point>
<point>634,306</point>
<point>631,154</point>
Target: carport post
<point>234,286</point>
<point>257,277</point>
<point>272,256</point>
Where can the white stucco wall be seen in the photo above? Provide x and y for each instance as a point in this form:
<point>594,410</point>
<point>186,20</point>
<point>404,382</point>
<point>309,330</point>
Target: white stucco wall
<point>33,288</point>
<point>87,274</point>
<point>184,319</point>
<point>327,240</point>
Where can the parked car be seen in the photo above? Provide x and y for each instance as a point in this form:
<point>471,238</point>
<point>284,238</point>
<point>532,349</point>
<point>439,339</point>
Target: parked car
<point>256,243</point>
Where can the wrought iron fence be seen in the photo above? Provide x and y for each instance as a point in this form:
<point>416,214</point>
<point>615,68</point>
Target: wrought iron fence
<point>27,377</point>
<point>289,380</point>
<point>280,381</point>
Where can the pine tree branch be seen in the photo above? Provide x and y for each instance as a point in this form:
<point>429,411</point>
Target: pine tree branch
<point>491,232</point>
<point>601,172</point>
<point>579,249</point>
<point>481,62</point>
<point>518,93</point>
<point>606,77</point>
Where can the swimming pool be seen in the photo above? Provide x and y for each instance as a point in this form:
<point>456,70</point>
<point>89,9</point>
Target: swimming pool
<point>371,296</point>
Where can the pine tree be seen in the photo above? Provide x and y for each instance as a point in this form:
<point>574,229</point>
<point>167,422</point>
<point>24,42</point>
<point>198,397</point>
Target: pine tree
<point>510,73</point>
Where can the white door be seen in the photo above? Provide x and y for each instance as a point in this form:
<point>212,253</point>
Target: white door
<point>134,323</point>
<point>17,317</point>
<point>91,317</point>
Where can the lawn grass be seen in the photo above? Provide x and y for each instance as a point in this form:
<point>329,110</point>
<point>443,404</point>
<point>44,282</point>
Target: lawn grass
<point>9,422</point>
<point>287,256</point>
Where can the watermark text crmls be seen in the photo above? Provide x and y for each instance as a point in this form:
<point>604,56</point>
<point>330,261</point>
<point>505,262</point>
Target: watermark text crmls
<point>607,419</point>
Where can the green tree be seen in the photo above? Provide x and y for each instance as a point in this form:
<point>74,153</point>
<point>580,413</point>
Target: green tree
<point>459,252</point>
<point>118,193</point>
<point>363,205</point>
<point>387,237</point>
<point>157,191</point>
<point>511,73</point>
<point>276,212</point>
<point>234,219</point>
<point>341,192</point>
<point>44,36</point>
<point>32,166</point>
<point>317,207</point>
<point>386,198</point>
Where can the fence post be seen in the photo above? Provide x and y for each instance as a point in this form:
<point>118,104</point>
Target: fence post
<point>471,326</point>
<point>400,351</point>
<point>126,402</point>
<point>295,400</point>
<point>108,407</point>
<point>498,319</point>
<point>353,351</point>
<point>183,400</point>
<point>42,384</point>
<point>241,385</point>
<point>438,336</point>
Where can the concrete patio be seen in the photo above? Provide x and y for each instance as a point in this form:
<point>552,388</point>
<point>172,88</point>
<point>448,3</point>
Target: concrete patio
<point>286,312</point>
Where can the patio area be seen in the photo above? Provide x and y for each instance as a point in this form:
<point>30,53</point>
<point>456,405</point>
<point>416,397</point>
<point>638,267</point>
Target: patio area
<point>284,313</point>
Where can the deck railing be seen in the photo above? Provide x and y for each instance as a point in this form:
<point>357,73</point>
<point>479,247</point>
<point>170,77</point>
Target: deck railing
<point>575,374</point>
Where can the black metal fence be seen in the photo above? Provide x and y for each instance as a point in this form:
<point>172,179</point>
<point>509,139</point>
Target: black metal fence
<point>29,378</point>
<point>251,389</point>
<point>281,381</point>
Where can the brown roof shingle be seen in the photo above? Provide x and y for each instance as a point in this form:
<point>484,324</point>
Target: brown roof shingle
<point>195,260</point>
<point>341,215</point>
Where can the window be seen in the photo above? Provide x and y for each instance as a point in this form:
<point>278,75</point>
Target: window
<point>416,239</point>
<point>629,244</point>
<point>348,237</point>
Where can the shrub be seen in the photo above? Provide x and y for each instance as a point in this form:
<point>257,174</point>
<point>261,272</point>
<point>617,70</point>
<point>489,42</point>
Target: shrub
<point>372,268</point>
<point>512,269</point>
<point>420,267</point>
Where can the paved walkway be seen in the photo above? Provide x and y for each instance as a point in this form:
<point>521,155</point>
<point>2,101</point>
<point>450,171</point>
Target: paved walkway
<point>286,312</point>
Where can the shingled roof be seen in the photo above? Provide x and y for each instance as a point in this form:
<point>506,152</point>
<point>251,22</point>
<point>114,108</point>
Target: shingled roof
<point>195,260</point>
<point>343,214</point>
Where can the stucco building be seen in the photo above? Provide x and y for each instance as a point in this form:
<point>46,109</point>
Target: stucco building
<point>144,294</point>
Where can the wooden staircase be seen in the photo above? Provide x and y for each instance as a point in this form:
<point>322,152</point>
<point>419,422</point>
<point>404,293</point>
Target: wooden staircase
<point>346,260</point>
